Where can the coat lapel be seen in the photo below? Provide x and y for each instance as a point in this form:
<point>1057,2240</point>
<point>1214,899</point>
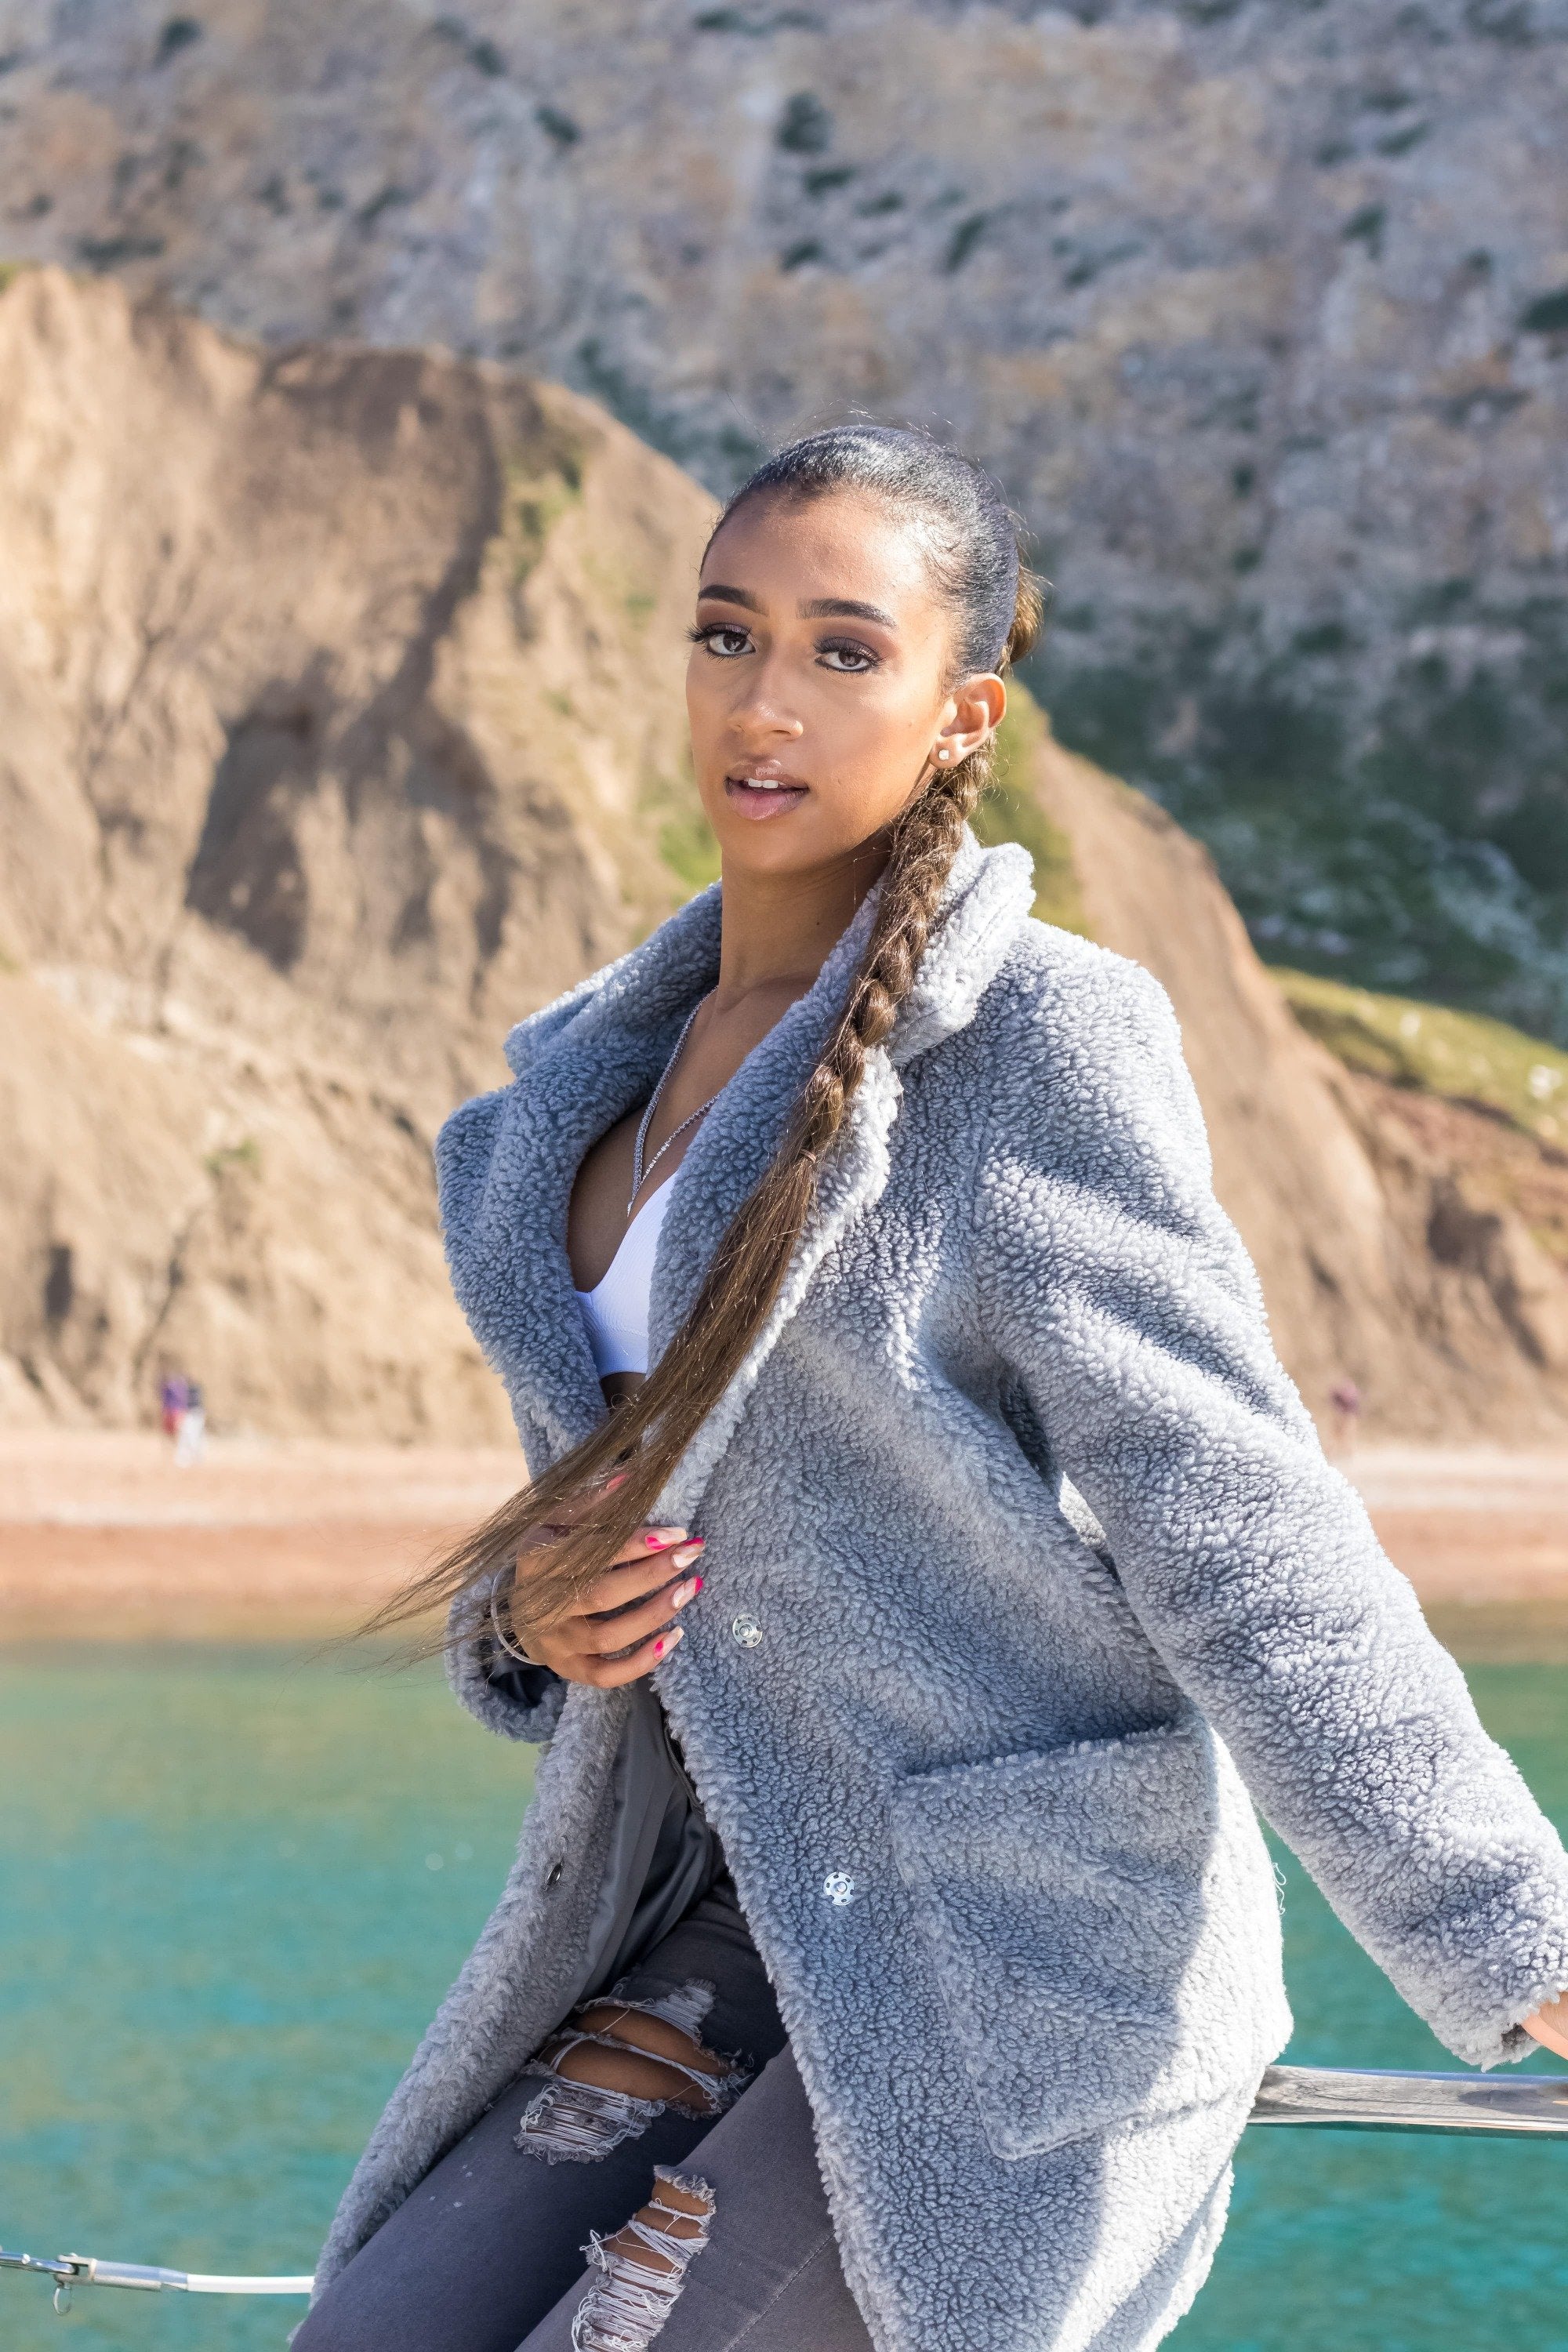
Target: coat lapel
<point>506,1165</point>
<point>584,1062</point>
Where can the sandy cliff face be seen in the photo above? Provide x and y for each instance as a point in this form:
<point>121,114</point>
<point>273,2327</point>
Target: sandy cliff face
<point>1398,1237</point>
<point>1260,308</point>
<point>227,1207</point>
<point>346,726</point>
<point>338,682</point>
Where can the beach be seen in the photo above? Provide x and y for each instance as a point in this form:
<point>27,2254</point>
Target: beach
<point>102,1537</point>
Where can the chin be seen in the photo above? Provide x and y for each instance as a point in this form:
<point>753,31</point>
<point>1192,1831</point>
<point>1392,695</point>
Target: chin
<point>771,849</point>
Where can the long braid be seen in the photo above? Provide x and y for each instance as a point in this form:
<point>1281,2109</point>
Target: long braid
<point>601,1492</point>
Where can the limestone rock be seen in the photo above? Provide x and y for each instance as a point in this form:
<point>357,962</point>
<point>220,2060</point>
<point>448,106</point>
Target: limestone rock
<point>266,1227</point>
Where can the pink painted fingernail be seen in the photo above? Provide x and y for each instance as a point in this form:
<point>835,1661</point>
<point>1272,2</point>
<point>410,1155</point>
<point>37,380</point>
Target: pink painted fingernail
<point>658,1539</point>
<point>685,1593</point>
<point>668,1642</point>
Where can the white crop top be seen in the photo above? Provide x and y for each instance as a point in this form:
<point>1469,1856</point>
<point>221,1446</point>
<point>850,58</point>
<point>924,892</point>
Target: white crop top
<point>615,1309</point>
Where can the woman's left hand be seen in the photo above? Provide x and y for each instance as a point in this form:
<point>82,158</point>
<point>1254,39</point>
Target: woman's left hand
<point>1549,2026</point>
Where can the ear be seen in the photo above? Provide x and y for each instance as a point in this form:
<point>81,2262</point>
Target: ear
<point>970,717</point>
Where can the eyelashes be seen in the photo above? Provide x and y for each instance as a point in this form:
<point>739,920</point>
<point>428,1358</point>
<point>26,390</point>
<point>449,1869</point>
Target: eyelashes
<point>707,634</point>
<point>860,657</point>
<point>844,656</point>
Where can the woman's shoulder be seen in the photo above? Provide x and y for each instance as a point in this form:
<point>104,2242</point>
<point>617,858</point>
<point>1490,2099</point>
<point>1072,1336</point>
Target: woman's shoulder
<point>527,1038</point>
<point>1059,994</point>
<point>468,1135</point>
<point>676,962</point>
<point>1078,1057</point>
<point>464,1152</point>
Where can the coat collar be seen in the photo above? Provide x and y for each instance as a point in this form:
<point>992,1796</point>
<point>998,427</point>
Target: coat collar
<point>583,1062</point>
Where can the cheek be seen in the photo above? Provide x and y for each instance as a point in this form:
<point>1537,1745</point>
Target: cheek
<point>878,714</point>
<point>872,739</point>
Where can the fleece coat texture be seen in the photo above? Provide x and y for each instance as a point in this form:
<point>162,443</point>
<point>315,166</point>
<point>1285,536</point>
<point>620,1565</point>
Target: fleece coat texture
<point>1054,1584</point>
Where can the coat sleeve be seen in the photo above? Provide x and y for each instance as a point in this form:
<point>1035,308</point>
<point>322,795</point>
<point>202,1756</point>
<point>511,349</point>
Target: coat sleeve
<point>520,1702</point>
<point>1122,1298</point>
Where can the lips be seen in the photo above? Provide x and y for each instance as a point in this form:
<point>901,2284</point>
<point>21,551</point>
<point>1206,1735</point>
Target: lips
<point>764,792</point>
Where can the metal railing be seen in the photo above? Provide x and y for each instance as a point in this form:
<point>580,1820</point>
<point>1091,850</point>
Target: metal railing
<point>1530,2106</point>
<point>1534,2107</point>
<point>71,2271</point>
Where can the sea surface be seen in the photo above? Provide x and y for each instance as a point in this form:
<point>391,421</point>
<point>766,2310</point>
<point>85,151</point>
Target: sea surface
<point>234,1886</point>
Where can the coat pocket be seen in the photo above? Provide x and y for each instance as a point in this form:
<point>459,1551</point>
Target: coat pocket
<point>1086,1916</point>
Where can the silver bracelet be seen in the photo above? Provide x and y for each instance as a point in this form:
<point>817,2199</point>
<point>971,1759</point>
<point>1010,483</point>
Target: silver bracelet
<point>509,1645</point>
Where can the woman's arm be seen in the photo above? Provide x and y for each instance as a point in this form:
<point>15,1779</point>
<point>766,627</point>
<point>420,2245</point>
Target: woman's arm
<point>1123,1296</point>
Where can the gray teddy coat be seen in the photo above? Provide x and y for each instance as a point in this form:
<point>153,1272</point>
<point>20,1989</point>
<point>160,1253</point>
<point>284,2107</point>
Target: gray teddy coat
<point>1053,1584</point>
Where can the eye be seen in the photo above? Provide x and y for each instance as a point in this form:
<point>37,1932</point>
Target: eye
<point>848,656</point>
<point>726,639</point>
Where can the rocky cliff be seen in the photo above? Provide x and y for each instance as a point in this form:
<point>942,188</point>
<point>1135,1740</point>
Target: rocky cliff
<point>1413,1239</point>
<point>1260,308</point>
<point>344,726</point>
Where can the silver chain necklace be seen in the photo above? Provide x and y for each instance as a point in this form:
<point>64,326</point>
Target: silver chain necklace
<point>640,1173</point>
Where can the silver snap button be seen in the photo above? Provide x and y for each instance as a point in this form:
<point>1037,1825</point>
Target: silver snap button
<point>839,1887</point>
<point>747,1632</point>
<point>553,1875</point>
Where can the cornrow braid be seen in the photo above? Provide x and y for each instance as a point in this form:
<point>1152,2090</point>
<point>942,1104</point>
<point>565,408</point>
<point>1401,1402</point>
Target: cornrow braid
<point>595,1498</point>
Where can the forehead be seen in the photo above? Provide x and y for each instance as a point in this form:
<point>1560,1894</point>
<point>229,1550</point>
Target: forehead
<point>845,543</point>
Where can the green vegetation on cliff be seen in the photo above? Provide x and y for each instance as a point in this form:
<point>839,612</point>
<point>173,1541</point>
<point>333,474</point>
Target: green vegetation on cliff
<point>1418,843</point>
<point>1462,1056</point>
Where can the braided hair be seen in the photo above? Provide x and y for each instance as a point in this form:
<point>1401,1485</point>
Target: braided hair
<point>606,1487</point>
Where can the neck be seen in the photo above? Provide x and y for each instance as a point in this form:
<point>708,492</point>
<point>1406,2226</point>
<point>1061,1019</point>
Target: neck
<point>779,929</point>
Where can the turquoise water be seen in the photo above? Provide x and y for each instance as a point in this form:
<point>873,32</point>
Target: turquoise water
<point>232,1888</point>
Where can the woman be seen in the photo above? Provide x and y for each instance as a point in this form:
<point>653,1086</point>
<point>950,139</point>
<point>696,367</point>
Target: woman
<point>892,1953</point>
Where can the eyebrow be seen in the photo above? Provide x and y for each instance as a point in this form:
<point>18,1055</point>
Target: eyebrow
<point>730,596</point>
<point>820,608</point>
<point>846,608</point>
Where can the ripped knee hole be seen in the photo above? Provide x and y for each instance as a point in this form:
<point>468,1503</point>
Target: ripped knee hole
<point>626,2049</point>
<point>618,2062</point>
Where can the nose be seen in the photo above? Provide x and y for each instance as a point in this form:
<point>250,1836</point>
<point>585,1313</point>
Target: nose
<point>760,721</point>
<point>762,715</point>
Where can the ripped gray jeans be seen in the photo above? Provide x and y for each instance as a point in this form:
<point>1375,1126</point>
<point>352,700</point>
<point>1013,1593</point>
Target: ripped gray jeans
<point>579,2218</point>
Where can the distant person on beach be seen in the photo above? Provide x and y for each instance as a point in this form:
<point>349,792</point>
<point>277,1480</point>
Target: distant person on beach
<point>926,1565</point>
<point>191,1443</point>
<point>174,1397</point>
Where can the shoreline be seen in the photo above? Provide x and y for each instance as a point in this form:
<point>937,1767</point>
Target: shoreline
<point>102,1537</point>
<point>299,1541</point>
